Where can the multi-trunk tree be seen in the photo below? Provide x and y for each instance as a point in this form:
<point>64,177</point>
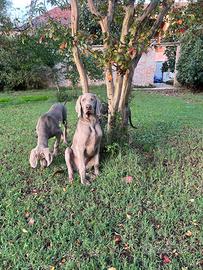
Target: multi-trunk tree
<point>128,27</point>
<point>138,24</point>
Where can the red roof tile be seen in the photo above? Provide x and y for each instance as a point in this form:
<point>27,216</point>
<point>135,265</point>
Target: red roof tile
<point>61,15</point>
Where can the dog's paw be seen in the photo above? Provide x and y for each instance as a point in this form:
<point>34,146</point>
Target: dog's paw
<point>86,182</point>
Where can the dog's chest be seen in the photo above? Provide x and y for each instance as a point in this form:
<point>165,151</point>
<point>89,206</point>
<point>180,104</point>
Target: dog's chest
<point>93,140</point>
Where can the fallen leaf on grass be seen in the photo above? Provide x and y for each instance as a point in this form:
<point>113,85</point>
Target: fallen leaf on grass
<point>64,189</point>
<point>112,268</point>
<point>27,214</point>
<point>194,222</point>
<point>24,231</point>
<point>128,215</point>
<point>128,179</point>
<point>63,260</point>
<point>175,253</point>
<point>117,238</point>
<point>52,267</point>
<point>188,234</point>
<point>126,246</point>
<point>31,221</point>
<point>165,259</point>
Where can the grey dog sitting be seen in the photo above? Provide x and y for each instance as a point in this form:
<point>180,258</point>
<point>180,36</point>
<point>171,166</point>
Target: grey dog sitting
<point>84,151</point>
<point>48,127</point>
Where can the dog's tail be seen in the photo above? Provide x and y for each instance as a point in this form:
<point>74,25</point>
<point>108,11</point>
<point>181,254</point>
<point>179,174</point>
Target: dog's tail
<point>130,119</point>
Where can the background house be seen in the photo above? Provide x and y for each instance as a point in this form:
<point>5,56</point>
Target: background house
<point>149,68</point>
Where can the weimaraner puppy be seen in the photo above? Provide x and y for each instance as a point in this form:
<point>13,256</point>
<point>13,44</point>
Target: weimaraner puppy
<point>84,151</point>
<point>48,126</point>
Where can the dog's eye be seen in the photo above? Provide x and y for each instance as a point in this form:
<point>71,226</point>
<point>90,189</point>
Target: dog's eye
<point>83,99</point>
<point>91,99</point>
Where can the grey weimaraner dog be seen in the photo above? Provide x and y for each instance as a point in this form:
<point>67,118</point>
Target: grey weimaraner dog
<point>48,127</point>
<point>84,151</point>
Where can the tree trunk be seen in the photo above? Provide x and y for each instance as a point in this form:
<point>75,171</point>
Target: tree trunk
<point>75,50</point>
<point>81,69</point>
<point>118,91</point>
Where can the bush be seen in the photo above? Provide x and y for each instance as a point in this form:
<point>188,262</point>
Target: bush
<point>64,95</point>
<point>190,64</point>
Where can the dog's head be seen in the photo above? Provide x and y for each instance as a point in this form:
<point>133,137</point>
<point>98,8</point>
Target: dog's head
<point>88,104</point>
<point>43,155</point>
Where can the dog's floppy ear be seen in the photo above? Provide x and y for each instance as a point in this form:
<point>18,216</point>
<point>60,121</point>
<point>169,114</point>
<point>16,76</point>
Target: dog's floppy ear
<point>98,107</point>
<point>33,158</point>
<point>48,156</point>
<point>78,107</point>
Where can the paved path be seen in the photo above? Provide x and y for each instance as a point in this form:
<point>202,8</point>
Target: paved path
<point>157,87</point>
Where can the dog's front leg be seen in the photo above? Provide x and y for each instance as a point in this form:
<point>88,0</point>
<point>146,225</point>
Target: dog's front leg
<point>65,133</point>
<point>56,144</point>
<point>96,162</point>
<point>81,166</point>
<point>68,158</point>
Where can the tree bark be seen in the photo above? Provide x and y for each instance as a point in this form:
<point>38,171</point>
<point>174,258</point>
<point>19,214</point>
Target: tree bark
<point>118,91</point>
<point>105,22</point>
<point>75,49</point>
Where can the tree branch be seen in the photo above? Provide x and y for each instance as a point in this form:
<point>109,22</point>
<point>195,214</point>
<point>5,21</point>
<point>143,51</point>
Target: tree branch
<point>129,13</point>
<point>74,17</point>
<point>166,6</point>
<point>93,9</point>
<point>75,50</point>
<point>110,12</point>
<point>148,10</point>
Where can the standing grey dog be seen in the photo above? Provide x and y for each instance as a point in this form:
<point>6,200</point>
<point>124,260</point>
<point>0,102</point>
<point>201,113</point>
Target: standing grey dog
<point>84,151</point>
<point>48,127</point>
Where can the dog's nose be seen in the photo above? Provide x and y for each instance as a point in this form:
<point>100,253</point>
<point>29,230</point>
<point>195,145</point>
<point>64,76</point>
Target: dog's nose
<point>88,107</point>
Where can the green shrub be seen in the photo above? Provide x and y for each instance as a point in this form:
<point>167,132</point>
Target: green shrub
<point>33,98</point>
<point>3,100</point>
<point>190,64</point>
<point>64,95</point>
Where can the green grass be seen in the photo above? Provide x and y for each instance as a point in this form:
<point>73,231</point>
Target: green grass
<point>75,227</point>
<point>4,99</point>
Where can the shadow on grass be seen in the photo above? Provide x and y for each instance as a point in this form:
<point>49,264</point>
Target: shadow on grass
<point>144,140</point>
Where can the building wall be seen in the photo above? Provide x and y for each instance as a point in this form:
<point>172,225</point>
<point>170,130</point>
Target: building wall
<point>144,72</point>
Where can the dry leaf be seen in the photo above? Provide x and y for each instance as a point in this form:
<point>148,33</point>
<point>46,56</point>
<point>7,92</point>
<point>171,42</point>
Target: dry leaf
<point>165,259</point>
<point>112,268</point>
<point>109,77</point>
<point>31,221</point>
<point>128,179</point>
<point>188,233</point>
<point>27,214</point>
<point>24,231</point>
<point>126,246</point>
<point>117,238</point>
<point>64,189</point>
<point>63,45</point>
<point>175,253</point>
<point>194,222</point>
<point>52,267</point>
<point>128,215</point>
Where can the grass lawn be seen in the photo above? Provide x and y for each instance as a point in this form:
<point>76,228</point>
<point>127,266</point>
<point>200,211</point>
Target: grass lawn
<point>152,223</point>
